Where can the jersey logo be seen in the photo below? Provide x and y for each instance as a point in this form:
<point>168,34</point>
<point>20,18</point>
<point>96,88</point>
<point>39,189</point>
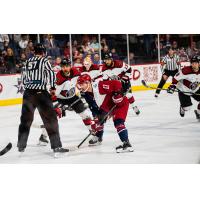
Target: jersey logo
<point>106,87</point>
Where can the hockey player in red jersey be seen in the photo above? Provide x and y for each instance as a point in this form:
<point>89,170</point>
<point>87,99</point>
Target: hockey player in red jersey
<point>107,94</point>
<point>187,83</point>
<point>67,94</point>
<point>116,69</point>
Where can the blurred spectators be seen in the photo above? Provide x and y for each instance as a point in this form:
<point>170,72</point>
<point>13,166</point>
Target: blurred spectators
<point>10,62</point>
<point>29,51</point>
<point>87,48</point>
<point>114,54</point>
<point>183,55</point>
<point>67,50</point>
<point>4,38</point>
<point>20,62</point>
<point>96,59</point>
<point>95,45</point>
<point>191,51</point>
<point>57,63</point>
<point>105,50</point>
<point>23,43</point>
<point>175,45</point>
<point>167,41</point>
<point>131,58</point>
<point>77,62</point>
<point>75,44</point>
<point>103,43</point>
<point>52,46</point>
<point>2,64</point>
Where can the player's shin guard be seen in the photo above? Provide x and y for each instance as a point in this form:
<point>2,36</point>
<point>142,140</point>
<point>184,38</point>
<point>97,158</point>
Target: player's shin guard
<point>87,119</point>
<point>123,135</point>
<point>121,129</point>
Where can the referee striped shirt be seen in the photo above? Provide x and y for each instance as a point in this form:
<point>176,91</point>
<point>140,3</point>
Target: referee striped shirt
<point>171,63</point>
<point>37,73</point>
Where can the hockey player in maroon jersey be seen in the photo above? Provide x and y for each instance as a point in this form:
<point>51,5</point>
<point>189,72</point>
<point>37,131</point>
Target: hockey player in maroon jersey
<point>116,69</point>
<point>187,82</point>
<point>66,94</point>
<point>106,95</point>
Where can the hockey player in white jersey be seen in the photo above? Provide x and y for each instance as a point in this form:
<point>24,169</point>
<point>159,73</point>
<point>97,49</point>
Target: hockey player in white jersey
<point>187,83</point>
<point>67,95</point>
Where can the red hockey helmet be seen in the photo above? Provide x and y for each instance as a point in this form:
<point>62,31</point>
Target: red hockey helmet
<point>84,78</point>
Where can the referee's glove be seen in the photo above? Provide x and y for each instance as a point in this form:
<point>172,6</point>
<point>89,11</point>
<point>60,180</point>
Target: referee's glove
<point>171,89</point>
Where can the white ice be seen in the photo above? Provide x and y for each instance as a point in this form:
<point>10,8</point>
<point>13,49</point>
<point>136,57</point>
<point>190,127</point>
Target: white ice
<point>158,135</point>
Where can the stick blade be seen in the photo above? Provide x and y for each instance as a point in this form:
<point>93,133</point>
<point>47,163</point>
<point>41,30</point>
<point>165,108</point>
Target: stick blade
<point>6,149</point>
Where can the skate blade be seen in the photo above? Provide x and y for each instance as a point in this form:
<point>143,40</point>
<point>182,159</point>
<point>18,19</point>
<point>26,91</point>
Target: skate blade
<point>42,143</point>
<point>20,154</point>
<point>96,144</point>
<point>125,151</point>
<point>60,155</point>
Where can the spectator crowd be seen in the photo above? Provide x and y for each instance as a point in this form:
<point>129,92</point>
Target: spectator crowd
<point>15,49</point>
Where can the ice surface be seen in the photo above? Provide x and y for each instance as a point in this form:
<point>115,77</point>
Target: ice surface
<point>158,135</point>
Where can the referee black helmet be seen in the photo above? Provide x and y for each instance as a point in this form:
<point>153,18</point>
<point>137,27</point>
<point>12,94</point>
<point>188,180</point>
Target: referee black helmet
<point>39,48</point>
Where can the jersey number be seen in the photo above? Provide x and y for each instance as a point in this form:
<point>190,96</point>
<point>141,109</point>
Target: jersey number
<point>33,65</point>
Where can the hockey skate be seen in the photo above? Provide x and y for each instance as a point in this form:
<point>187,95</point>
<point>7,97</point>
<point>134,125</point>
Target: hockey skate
<point>197,114</point>
<point>156,95</point>
<point>21,151</point>
<point>43,140</point>
<point>95,141</point>
<point>182,112</point>
<point>59,152</point>
<point>125,147</point>
<point>136,110</point>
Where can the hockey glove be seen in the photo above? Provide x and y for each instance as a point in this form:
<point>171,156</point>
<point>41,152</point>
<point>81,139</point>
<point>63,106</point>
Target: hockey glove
<point>171,89</point>
<point>118,98</point>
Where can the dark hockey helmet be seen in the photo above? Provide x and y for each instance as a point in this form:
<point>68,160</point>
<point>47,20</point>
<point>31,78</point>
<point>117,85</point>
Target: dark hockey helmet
<point>168,48</point>
<point>195,58</point>
<point>84,78</point>
<point>108,56</point>
<point>65,62</point>
<point>39,48</point>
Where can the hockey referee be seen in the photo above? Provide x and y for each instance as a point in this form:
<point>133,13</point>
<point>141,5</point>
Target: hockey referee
<point>171,65</point>
<point>37,73</point>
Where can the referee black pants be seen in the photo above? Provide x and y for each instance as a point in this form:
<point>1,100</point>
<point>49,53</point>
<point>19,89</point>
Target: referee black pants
<point>168,73</point>
<point>41,100</point>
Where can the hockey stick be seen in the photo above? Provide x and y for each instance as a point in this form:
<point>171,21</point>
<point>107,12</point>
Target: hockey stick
<point>101,122</point>
<point>176,90</point>
<point>6,149</point>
